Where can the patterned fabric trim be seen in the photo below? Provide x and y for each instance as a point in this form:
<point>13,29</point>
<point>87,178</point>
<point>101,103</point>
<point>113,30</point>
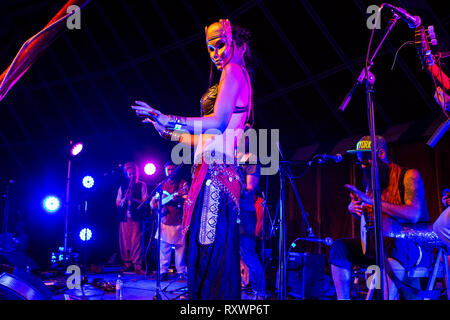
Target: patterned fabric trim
<point>210,213</point>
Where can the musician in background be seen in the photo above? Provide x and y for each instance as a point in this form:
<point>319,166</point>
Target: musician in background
<point>129,196</point>
<point>442,225</point>
<point>171,218</point>
<point>403,203</point>
<point>250,174</point>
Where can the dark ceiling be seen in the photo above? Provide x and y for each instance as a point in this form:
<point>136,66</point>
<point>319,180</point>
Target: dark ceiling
<point>308,54</point>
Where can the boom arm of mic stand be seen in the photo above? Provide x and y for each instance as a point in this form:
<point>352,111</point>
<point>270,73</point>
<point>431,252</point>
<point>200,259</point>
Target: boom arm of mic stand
<point>437,135</point>
<point>362,75</point>
<point>302,209</point>
<point>357,82</point>
<point>291,180</point>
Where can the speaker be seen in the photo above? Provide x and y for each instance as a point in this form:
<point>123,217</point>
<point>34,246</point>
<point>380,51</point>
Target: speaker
<point>19,285</point>
<point>304,272</point>
<point>19,260</point>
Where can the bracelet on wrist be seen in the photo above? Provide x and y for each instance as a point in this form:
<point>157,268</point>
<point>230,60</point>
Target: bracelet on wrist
<point>172,135</point>
<point>176,122</point>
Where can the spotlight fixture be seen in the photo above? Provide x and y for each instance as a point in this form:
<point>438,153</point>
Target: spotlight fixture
<point>85,234</point>
<point>149,169</point>
<point>88,182</point>
<point>51,204</point>
<point>76,149</point>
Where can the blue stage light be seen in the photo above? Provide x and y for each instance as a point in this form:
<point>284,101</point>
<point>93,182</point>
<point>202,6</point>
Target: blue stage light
<point>51,204</point>
<point>88,182</point>
<point>85,234</point>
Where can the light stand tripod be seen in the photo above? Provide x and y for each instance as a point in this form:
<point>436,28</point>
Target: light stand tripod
<point>369,79</point>
<point>67,204</point>
<point>84,278</point>
<point>67,208</point>
<point>85,290</point>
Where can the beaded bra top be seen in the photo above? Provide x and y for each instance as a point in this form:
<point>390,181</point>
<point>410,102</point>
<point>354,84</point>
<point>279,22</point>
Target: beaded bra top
<point>209,99</point>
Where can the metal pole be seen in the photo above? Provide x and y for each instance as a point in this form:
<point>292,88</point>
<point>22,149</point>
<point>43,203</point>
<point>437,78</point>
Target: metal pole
<point>158,248</point>
<point>282,242</point>
<point>377,209</point>
<point>67,207</point>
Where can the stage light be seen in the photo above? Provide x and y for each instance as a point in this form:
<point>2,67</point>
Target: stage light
<point>88,182</point>
<point>76,149</point>
<point>51,204</point>
<point>85,234</point>
<point>149,169</point>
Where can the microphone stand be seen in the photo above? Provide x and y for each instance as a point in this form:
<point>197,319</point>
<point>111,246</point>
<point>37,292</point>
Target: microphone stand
<point>158,245</point>
<point>285,172</point>
<point>369,80</point>
<point>158,190</point>
<point>263,231</point>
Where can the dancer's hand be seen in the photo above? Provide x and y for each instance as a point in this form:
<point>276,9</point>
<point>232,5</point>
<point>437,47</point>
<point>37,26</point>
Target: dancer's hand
<point>160,128</point>
<point>144,110</point>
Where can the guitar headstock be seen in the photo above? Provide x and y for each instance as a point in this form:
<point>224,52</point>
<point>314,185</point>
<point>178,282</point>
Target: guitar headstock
<point>424,40</point>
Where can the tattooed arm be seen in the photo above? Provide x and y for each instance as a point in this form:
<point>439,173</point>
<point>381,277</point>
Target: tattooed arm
<point>415,202</point>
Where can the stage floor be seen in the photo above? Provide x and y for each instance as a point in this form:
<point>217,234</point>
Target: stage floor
<point>135,287</point>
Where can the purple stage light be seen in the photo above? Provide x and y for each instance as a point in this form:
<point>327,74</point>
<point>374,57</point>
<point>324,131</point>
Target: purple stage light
<point>76,149</point>
<point>149,169</point>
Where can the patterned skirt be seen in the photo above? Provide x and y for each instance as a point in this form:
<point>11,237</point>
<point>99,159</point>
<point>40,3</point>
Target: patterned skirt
<point>213,247</point>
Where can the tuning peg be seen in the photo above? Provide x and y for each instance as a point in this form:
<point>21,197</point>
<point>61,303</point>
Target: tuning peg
<point>432,35</point>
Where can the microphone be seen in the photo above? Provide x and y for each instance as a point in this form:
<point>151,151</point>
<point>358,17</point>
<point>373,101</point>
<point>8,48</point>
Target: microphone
<point>327,241</point>
<point>412,21</point>
<point>322,158</point>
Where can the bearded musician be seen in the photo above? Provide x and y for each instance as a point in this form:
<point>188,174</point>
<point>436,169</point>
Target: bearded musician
<point>403,204</point>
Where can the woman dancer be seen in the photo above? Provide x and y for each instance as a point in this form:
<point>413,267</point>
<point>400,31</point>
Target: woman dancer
<point>212,207</point>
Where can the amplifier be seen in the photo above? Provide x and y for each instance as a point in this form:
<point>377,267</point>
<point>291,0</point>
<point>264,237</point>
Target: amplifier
<point>304,274</point>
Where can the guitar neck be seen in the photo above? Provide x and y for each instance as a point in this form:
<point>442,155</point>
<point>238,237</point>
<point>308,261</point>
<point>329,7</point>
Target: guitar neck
<point>440,76</point>
<point>168,199</point>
